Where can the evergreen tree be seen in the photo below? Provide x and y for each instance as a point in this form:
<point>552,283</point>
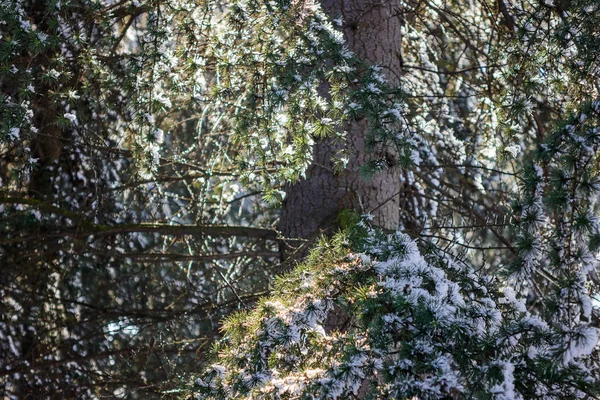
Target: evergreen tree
<point>163,160</point>
<point>391,323</point>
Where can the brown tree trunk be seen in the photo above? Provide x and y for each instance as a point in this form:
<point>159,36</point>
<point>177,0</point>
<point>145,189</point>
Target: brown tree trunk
<point>372,30</point>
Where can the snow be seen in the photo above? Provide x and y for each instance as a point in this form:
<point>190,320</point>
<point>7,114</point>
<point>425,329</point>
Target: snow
<point>14,133</point>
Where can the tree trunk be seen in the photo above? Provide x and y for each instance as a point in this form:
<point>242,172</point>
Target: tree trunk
<point>372,31</point>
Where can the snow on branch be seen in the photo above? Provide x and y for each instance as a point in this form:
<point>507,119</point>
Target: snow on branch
<point>393,322</point>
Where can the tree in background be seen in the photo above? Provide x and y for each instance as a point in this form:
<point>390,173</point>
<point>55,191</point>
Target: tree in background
<point>145,143</point>
<point>125,233</point>
<point>505,145</point>
<point>372,32</point>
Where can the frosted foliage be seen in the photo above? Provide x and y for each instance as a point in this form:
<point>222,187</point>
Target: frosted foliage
<point>143,145</point>
<point>557,224</point>
<point>390,322</point>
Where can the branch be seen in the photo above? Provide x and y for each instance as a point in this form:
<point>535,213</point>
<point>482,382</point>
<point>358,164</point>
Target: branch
<point>159,257</point>
<point>510,22</point>
<point>457,72</point>
<point>171,230</point>
<point>129,351</point>
<point>480,218</point>
<point>47,207</point>
<point>180,230</point>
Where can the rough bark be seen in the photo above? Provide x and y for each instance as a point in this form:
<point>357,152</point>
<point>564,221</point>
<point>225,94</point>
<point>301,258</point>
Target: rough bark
<point>372,30</point>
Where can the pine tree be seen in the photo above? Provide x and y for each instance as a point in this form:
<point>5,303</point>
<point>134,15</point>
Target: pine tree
<point>162,161</point>
<point>365,324</point>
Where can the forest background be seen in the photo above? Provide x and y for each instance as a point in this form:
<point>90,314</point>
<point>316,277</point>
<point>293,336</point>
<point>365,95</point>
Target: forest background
<point>164,161</point>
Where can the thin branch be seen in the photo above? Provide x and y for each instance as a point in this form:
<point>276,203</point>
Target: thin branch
<point>482,220</point>
<point>457,72</point>
<point>160,257</point>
